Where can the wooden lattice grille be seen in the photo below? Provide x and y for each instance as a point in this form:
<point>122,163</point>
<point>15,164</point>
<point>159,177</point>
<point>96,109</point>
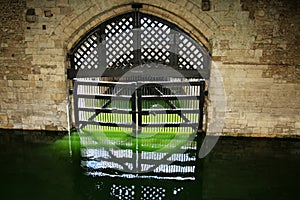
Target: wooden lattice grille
<point>134,39</point>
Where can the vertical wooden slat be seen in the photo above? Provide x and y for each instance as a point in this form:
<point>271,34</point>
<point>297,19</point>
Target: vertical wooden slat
<point>76,113</point>
<point>201,105</point>
<point>140,109</point>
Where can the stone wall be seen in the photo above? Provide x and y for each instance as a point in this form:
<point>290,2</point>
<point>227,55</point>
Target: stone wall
<point>255,84</point>
<point>257,51</point>
<point>32,75</point>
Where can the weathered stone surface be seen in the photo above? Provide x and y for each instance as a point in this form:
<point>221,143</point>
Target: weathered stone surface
<point>255,46</point>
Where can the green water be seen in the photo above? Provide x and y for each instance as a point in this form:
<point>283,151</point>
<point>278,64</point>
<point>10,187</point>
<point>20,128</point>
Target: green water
<point>41,165</point>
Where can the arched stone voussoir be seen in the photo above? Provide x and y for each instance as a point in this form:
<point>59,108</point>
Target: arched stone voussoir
<point>185,14</point>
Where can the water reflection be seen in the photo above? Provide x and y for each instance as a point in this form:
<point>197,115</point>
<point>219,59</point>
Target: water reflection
<point>237,168</point>
<point>173,158</point>
<point>136,189</point>
<point>38,166</point>
<point>130,173</point>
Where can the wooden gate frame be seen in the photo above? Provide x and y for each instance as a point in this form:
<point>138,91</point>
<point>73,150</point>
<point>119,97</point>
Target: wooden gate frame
<point>137,99</point>
<point>91,58</point>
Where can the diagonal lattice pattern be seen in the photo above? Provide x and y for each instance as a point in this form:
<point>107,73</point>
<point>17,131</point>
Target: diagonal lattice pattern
<point>122,192</point>
<point>153,193</point>
<point>119,43</point>
<point>155,41</point>
<point>86,57</point>
<point>127,41</point>
<point>190,55</point>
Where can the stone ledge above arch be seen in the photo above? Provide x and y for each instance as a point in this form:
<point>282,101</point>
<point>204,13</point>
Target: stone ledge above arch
<point>185,14</point>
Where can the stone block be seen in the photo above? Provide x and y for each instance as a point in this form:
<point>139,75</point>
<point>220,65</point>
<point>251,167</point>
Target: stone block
<point>61,84</point>
<point>58,97</point>
<point>3,119</point>
<point>252,123</point>
<point>222,5</point>
<point>297,125</point>
<point>62,3</point>
<point>20,83</point>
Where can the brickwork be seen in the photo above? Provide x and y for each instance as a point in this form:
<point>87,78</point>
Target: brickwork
<point>254,46</point>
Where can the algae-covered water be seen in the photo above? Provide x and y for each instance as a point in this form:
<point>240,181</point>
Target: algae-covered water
<point>48,165</point>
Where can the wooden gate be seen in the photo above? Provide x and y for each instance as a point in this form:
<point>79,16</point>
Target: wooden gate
<point>144,121</point>
<point>138,85</point>
<point>139,105</point>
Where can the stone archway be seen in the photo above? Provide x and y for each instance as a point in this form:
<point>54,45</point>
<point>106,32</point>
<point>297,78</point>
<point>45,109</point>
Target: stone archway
<point>165,66</point>
<point>185,14</point>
